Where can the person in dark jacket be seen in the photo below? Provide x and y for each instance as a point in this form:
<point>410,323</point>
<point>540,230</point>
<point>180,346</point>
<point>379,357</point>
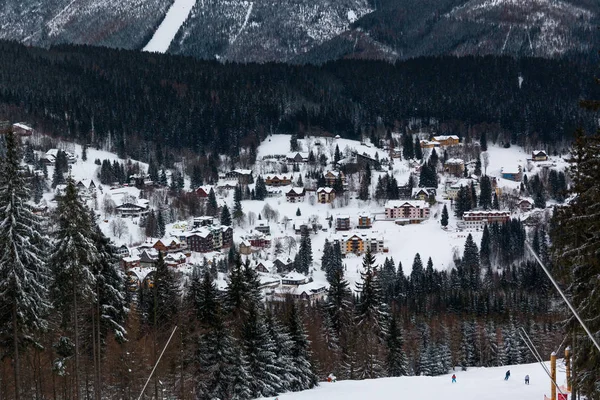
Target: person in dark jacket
<point>527,379</point>
<point>507,375</point>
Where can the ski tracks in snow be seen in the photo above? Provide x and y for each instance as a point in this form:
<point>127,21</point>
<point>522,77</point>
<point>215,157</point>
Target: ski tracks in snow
<point>245,22</point>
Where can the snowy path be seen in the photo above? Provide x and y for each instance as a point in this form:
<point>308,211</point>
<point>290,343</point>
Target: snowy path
<point>164,35</point>
<point>245,22</point>
<point>51,21</point>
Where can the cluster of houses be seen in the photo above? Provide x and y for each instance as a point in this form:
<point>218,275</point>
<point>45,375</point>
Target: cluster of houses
<point>440,141</point>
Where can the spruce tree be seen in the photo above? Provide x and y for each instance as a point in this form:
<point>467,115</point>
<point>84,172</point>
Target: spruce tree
<point>418,151</point>
<point>485,193</point>
<point>238,213</point>
<point>72,260</point>
<point>576,240</point>
<point>336,155</point>
<point>260,190</point>
<point>160,302</point>
<point>160,224</point>
<point>444,219</point>
<point>408,147</point>
<point>151,225</point>
<point>477,167</point>
<point>211,205</point>
<point>225,216</point>
<point>396,362</point>
<point>338,308</point>
<point>23,270</point>
<point>300,352</point>
<point>483,142</point>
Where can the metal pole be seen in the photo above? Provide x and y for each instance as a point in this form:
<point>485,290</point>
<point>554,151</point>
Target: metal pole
<point>553,375</point>
<point>590,335</point>
<point>157,361</point>
<point>568,366</point>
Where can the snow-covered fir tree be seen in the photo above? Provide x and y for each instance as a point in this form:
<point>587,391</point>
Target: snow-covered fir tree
<point>23,271</point>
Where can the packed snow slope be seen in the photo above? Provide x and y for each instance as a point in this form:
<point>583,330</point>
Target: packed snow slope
<point>473,384</point>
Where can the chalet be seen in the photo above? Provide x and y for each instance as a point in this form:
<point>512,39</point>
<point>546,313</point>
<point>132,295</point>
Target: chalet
<point>478,219</point>
<point>447,140</point>
<point>243,176</point>
<point>265,267</point>
<point>325,195</point>
<point>525,204</point>
<point>293,279</point>
<point>203,221</point>
<point>283,265</point>
<point>200,241</point>
<point>130,262</point>
<point>278,180</point>
<point>274,192</point>
<point>167,245</point>
<point>40,208</point>
<point>455,166</point>
<point>295,195</point>
<point>226,186</point>
<point>309,292</point>
<point>122,251</point>
<point>132,210</point>
<point>266,280</point>
<point>203,192</point>
<point>245,247</point>
<point>342,223</point>
<point>415,210</point>
<point>148,258</point>
<point>429,144</point>
<point>333,177</point>
<point>513,174</point>
<point>422,193</point>
<point>539,155</point>
<point>20,129</point>
<point>263,228</point>
<point>50,157</point>
<point>297,157</point>
<point>260,241</point>
<point>364,221</point>
<point>174,260</point>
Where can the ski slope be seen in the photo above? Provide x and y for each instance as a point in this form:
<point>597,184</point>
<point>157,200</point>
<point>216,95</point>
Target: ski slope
<point>164,35</point>
<point>473,384</point>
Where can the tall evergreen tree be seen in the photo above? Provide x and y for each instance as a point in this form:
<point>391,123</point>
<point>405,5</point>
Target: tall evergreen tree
<point>485,192</point>
<point>260,190</point>
<point>336,155</point>
<point>23,270</point>
<point>418,151</point>
<point>160,224</point>
<point>74,254</point>
<point>576,240</point>
<point>408,147</point>
<point>161,301</point>
<point>444,218</point>
<point>225,216</point>
<point>396,362</point>
<point>300,352</point>
<point>238,213</point>
<point>483,142</point>
<point>211,205</point>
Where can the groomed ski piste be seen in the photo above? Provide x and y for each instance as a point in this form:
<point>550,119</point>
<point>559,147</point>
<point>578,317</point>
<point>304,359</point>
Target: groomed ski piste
<point>175,17</point>
<point>473,384</point>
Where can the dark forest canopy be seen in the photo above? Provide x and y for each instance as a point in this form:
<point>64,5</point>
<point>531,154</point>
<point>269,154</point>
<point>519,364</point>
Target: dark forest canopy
<point>135,101</point>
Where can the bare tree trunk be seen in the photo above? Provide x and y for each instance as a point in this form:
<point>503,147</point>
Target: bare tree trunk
<point>17,366</point>
<point>94,350</point>
<point>98,347</point>
<point>155,301</point>
<point>76,324</point>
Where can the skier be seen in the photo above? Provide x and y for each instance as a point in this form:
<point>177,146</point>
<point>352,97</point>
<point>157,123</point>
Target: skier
<point>453,378</point>
<point>527,379</point>
<point>507,375</point>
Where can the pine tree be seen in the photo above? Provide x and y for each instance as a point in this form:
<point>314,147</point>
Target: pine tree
<point>300,352</point>
<point>160,302</point>
<point>371,318</point>
<point>444,219</point>
<point>434,159</point>
<point>576,240</point>
<point>84,152</point>
<point>485,193</point>
<point>225,216</point>
<point>23,270</point>
<point>477,167</point>
<point>495,203</point>
<point>238,213</point>
<point>336,155</point>
<point>396,362</point>
<point>162,179</point>
<point>470,263</point>
<point>211,205</point>
<point>151,228</point>
<point>408,147</point>
<point>74,254</point>
<point>160,224</point>
<point>260,190</point>
<point>485,248</point>
<point>303,260</point>
<point>338,308</point>
<point>463,202</point>
<point>483,142</point>
<point>298,213</point>
<point>418,151</point>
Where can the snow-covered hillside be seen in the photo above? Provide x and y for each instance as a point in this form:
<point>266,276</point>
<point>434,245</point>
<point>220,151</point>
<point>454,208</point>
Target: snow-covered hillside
<point>473,384</point>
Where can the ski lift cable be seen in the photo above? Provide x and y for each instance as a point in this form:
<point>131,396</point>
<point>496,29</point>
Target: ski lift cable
<point>156,364</point>
<point>539,356</point>
<point>542,364</point>
<point>584,326</point>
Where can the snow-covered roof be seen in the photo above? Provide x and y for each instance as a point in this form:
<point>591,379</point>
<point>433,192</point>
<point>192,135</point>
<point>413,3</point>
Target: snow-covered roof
<point>293,154</point>
<point>334,173</point>
<point>325,189</point>
<point>294,276</point>
<point>515,169</point>
<point>22,126</point>
<point>526,199</point>
<point>131,259</point>
<point>411,203</point>
<point>445,137</point>
<point>342,216</point>
<point>458,161</point>
<point>202,232</point>
<point>539,151</point>
<point>176,257</point>
<point>296,191</point>
<point>52,152</point>
<point>308,288</point>
<point>462,182</point>
<point>243,171</point>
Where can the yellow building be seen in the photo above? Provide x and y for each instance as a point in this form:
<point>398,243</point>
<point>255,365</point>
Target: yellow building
<point>447,140</point>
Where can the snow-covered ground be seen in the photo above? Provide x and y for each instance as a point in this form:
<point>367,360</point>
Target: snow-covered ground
<point>473,384</point>
<point>175,17</point>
